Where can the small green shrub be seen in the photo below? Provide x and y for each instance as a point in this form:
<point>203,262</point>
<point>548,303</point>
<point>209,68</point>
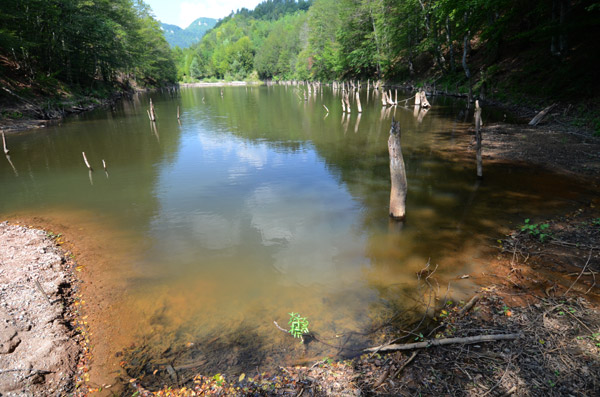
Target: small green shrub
<point>298,325</point>
<point>536,230</point>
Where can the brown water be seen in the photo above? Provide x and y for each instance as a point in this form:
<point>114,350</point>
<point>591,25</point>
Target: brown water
<point>258,204</point>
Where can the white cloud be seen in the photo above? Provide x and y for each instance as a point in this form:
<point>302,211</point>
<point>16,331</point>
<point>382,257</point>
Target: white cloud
<point>192,10</point>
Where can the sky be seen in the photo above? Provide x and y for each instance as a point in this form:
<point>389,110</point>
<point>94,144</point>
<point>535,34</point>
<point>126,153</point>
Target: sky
<point>184,12</point>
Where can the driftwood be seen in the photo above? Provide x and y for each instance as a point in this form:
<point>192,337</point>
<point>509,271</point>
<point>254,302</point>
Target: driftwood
<point>177,112</point>
<point>104,165</point>
<point>326,109</point>
<point>86,161</point>
<point>472,302</point>
<point>397,173</point>
<point>478,139</point>
<point>541,115</point>
<point>447,341</point>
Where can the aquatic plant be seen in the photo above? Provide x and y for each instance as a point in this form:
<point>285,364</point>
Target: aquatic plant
<point>298,325</point>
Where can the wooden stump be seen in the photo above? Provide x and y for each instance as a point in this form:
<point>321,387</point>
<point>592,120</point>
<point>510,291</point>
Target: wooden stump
<point>6,151</point>
<point>151,114</point>
<point>398,174</point>
<point>86,161</point>
<point>347,98</point>
<point>424,101</point>
<point>384,101</point>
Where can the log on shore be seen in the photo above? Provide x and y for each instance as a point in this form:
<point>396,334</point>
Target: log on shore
<point>441,342</point>
<point>541,115</point>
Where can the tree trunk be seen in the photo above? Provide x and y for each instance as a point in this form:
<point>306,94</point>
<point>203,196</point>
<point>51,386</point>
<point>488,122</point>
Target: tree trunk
<point>358,102</point>
<point>478,139</point>
<point>450,45</point>
<point>465,53</point>
<point>398,174</point>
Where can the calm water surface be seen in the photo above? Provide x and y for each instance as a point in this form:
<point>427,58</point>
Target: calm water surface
<point>258,203</point>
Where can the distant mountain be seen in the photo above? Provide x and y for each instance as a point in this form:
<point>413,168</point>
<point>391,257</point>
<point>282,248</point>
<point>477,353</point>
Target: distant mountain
<point>186,37</point>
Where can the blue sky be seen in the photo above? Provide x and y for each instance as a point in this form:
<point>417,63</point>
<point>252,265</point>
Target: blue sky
<point>184,12</point>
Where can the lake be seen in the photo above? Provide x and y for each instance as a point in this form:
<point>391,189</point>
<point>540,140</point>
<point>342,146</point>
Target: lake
<point>258,203</point>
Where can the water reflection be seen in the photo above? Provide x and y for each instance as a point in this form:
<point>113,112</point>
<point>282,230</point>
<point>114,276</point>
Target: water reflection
<point>254,204</point>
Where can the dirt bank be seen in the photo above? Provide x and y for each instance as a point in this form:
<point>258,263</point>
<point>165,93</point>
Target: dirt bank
<point>39,351</point>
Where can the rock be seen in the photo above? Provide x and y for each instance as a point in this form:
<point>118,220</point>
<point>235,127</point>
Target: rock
<point>9,339</point>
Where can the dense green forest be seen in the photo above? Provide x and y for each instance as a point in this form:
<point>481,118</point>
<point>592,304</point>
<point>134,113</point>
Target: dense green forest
<point>81,45</point>
<point>543,45</point>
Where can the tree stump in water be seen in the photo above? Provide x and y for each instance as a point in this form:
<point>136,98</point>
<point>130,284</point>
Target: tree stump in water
<point>424,101</point>
<point>397,173</point>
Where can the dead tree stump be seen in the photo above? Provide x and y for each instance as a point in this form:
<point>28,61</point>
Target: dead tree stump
<point>397,174</point>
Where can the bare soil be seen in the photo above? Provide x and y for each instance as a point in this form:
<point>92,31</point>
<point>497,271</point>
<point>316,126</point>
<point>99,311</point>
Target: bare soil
<point>39,348</point>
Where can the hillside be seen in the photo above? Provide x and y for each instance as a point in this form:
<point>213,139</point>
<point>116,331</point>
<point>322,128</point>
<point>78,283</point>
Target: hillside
<point>183,38</point>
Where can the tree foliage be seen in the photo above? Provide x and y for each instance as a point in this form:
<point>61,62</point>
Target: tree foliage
<point>85,42</point>
<point>398,39</point>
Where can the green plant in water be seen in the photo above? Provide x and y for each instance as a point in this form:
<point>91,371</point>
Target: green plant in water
<point>536,230</point>
<point>298,325</point>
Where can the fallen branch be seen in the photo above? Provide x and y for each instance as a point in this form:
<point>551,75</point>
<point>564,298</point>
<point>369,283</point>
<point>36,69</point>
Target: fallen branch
<point>39,287</point>
<point>540,116</point>
<point>472,302</point>
<point>582,271</point>
<point>280,328</point>
<point>447,341</point>
<point>576,245</point>
<point>412,357</point>
<point>37,371</point>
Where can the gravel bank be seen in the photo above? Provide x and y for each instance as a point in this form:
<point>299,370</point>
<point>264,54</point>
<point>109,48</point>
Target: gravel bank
<point>38,348</point>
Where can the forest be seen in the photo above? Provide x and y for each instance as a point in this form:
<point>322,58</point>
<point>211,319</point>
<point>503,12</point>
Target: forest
<point>540,46</point>
<point>83,46</point>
